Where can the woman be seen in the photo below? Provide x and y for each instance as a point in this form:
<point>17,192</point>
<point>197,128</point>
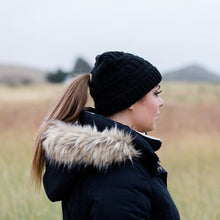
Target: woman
<point>99,162</point>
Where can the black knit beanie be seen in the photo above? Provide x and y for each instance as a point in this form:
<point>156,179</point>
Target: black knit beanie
<point>119,80</point>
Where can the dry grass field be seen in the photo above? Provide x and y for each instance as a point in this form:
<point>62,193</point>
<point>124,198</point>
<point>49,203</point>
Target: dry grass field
<point>189,128</point>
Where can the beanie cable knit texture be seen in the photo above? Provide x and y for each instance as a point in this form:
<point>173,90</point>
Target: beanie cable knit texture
<point>119,80</point>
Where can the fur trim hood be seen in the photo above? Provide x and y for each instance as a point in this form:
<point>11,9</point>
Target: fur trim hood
<point>73,144</point>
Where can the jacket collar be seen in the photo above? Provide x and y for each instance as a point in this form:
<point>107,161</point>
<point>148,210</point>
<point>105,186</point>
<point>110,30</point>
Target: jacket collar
<point>90,117</point>
<point>96,141</point>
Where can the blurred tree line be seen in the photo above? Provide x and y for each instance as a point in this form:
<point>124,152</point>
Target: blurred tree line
<point>58,76</point>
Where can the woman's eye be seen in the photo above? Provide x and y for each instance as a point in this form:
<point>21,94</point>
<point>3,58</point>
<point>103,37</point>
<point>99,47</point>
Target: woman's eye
<point>158,92</point>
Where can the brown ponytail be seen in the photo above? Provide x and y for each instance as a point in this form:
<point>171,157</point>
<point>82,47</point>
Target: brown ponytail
<point>67,109</point>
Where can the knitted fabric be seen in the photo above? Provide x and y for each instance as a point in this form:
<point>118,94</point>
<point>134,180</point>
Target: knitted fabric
<point>119,80</point>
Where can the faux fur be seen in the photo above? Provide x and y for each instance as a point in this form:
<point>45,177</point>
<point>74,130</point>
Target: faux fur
<point>72,144</point>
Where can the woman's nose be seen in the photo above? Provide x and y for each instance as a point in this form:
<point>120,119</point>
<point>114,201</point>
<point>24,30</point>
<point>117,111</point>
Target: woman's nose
<point>161,102</point>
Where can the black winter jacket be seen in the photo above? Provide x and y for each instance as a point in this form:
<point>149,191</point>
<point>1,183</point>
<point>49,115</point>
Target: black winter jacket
<point>101,169</point>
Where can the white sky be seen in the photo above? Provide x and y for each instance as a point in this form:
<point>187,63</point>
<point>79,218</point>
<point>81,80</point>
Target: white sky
<point>48,34</point>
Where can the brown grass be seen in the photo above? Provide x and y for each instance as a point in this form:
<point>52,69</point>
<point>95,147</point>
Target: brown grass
<point>189,127</point>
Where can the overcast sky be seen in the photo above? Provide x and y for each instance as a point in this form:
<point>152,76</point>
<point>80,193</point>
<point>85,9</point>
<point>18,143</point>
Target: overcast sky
<point>50,34</point>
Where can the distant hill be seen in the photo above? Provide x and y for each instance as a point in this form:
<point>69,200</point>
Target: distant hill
<point>17,75</point>
<point>192,73</point>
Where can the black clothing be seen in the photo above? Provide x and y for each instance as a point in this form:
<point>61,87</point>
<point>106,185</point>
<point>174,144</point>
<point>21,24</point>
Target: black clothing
<point>101,169</point>
<point>119,80</point>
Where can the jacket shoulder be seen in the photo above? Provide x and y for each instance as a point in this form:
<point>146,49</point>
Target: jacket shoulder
<point>127,175</point>
<point>119,193</point>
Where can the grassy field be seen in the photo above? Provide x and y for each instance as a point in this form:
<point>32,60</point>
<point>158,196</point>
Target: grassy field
<point>189,127</point>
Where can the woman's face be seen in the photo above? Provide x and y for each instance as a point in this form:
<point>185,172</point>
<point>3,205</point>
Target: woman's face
<point>145,112</point>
